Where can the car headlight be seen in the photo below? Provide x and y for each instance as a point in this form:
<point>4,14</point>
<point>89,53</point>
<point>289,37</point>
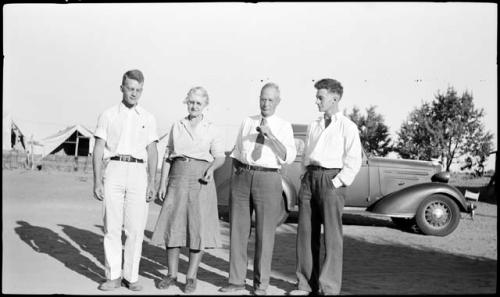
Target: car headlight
<point>442,177</point>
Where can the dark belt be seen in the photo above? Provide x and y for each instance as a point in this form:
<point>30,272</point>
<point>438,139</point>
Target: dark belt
<point>126,158</point>
<point>256,168</point>
<point>319,168</point>
<point>186,159</point>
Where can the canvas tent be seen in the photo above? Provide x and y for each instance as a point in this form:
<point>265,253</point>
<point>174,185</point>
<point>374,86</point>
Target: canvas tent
<point>75,140</point>
<point>12,137</point>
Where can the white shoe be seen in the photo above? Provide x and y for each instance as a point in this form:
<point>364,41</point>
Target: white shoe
<point>298,293</point>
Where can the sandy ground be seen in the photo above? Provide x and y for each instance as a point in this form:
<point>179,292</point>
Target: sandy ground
<point>52,243</point>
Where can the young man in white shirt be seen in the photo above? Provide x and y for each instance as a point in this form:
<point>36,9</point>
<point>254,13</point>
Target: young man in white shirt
<point>265,142</point>
<point>332,158</point>
<point>126,138</point>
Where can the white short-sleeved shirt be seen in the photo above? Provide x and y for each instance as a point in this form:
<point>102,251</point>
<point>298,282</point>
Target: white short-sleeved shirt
<point>247,138</point>
<point>126,131</point>
<point>204,142</point>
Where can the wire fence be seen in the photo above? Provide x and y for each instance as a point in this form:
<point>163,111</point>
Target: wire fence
<point>21,160</point>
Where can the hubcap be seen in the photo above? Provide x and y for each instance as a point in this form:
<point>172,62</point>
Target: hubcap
<point>437,214</point>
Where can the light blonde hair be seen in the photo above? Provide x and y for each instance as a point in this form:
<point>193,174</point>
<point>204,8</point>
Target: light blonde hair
<point>197,90</point>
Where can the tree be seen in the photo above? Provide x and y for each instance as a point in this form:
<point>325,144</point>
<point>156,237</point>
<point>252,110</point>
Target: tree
<point>449,127</point>
<point>373,132</point>
<point>414,141</point>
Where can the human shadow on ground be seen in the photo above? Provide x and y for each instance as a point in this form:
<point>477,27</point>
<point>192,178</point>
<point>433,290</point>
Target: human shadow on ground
<point>368,268</point>
<point>46,241</point>
<point>154,261</point>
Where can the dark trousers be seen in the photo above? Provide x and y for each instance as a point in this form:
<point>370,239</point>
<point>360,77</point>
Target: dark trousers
<point>320,203</point>
<point>260,191</point>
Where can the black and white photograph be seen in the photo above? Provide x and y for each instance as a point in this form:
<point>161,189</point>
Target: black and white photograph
<point>249,148</point>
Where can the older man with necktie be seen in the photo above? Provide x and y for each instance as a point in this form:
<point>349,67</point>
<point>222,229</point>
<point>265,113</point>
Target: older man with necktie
<point>265,142</point>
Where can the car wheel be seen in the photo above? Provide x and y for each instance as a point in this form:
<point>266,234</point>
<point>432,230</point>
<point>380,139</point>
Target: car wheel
<point>437,215</point>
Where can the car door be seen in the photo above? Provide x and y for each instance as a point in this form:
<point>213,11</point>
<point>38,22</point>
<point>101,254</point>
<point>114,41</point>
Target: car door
<point>358,192</point>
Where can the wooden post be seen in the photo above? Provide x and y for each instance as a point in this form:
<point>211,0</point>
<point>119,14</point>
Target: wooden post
<point>31,153</point>
<point>76,151</point>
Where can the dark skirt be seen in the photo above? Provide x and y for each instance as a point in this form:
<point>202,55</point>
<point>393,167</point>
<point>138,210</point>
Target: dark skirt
<point>189,215</point>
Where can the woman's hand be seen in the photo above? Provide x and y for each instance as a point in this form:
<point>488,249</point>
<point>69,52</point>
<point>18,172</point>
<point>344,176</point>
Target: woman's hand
<point>207,177</point>
<point>162,192</point>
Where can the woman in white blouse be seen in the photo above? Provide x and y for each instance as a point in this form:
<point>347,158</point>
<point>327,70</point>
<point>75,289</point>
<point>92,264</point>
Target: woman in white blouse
<point>189,215</point>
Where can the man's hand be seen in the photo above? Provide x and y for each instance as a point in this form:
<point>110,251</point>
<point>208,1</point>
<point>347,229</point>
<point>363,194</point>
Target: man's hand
<point>264,130</point>
<point>275,144</point>
<point>162,192</point>
<point>337,183</point>
<point>150,192</point>
<point>98,191</point>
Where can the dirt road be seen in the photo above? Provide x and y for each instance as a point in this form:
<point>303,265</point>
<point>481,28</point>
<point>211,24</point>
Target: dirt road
<point>52,243</point>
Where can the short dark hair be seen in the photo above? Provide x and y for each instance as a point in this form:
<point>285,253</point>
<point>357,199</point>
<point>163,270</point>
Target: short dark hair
<point>133,74</point>
<point>330,84</point>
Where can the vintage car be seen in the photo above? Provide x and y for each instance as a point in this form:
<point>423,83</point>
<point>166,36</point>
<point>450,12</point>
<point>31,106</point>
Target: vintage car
<point>415,194</point>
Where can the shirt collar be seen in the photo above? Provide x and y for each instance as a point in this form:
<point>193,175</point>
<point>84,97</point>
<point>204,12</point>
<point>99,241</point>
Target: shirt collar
<point>204,121</point>
<point>335,117</point>
<point>122,107</point>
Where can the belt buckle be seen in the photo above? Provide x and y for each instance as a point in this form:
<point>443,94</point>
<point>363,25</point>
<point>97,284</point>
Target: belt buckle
<point>126,158</point>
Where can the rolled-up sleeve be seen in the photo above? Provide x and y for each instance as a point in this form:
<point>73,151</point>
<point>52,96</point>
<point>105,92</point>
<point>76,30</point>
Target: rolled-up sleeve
<point>288,141</point>
<point>102,127</point>
<point>217,143</point>
<point>352,158</point>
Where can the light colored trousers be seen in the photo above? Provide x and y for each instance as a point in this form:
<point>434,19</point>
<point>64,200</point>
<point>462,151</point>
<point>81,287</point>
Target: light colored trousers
<point>125,205</point>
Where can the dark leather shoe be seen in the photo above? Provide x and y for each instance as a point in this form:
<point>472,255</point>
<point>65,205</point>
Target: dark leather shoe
<point>110,284</point>
<point>167,282</point>
<point>190,286</point>
<point>259,292</point>
<point>135,286</point>
<point>232,288</point>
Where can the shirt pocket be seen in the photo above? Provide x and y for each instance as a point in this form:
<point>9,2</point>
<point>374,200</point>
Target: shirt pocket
<point>142,133</point>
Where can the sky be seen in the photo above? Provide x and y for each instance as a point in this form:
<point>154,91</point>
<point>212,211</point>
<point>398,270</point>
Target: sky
<point>63,64</point>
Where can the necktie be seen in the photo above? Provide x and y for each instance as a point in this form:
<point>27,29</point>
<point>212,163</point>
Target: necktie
<point>259,143</point>
<point>327,121</point>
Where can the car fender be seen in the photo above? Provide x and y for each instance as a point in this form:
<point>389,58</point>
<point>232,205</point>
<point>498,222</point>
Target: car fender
<point>290,193</point>
<point>405,202</point>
